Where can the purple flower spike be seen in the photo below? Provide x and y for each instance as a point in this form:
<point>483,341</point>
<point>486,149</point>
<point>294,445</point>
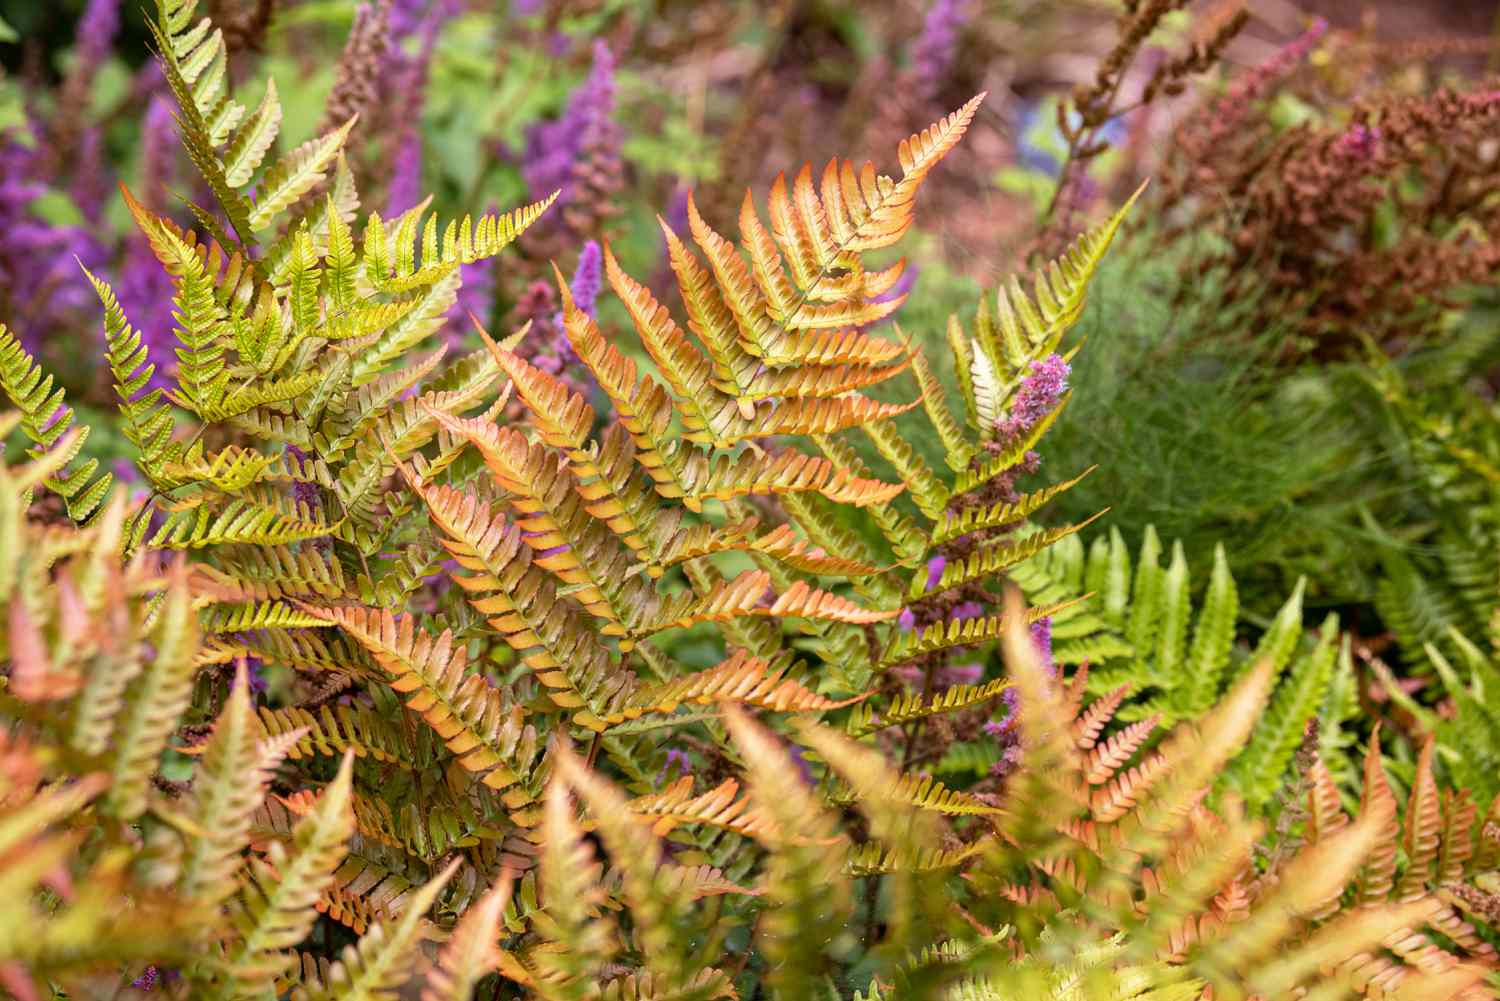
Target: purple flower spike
<point>935,48</point>
<point>935,567</point>
<point>552,148</point>
<point>1041,635</point>
<point>1009,761</point>
<point>1361,142</point>
<point>1230,109</point>
<point>144,285</point>
<point>405,17</point>
<point>906,621</point>
<point>406,177</point>
<point>678,759</point>
<point>45,288</point>
<point>799,761</point>
<point>588,278</point>
<point>966,610</point>
<point>96,32</point>
<point>1037,397</point>
<point>91,180</point>
<point>1011,700</point>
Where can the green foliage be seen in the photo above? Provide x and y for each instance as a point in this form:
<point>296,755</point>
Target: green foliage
<point>1160,654</point>
<point>1223,447</point>
<point>99,680</point>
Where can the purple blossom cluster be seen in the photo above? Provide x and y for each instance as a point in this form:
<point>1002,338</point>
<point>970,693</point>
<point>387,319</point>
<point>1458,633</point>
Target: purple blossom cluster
<point>1230,109</point>
<point>1037,397</point>
<point>933,52</point>
<point>42,287</point>
<point>1360,143</point>
<point>405,17</point>
<point>411,72</point>
<point>476,292</point>
<point>96,33</point>
<point>1006,731</point>
<point>144,287</point>
<point>677,765</point>
<point>1041,638</point>
<point>1007,734</point>
<point>546,345</point>
<point>588,279</point>
<point>555,150</point>
<point>44,294</point>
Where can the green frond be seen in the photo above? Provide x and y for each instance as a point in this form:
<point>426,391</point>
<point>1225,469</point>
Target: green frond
<point>333,730</point>
<point>1027,327</point>
<point>922,484</point>
<point>257,615</point>
<point>957,449</point>
<point>807,896</point>
<point>963,521</point>
<point>1259,772</point>
<point>477,721</point>
<point>905,708</point>
<point>380,963</point>
<point>153,701</point>
<point>907,646</point>
<point>195,63</point>
<point>295,174</point>
<point>230,783</point>
<point>989,560</point>
<point>273,909</point>
<point>46,420</point>
<point>200,526</point>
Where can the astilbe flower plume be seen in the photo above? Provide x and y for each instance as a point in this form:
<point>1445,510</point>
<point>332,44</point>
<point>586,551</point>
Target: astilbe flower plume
<point>1007,735</point>
<point>1227,113</point>
<point>1360,142</point>
<point>578,155</point>
<point>933,52</point>
<point>476,293</point>
<point>1037,397</point>
<point>410,76</point>
<point>357,74</point>
<point>546,344</point>
<point>93,41</point>
<point>145,288</point>
<point>406,16</point>
<point>588,278</point>
<point>91,182</point>
<point>1346,230</point>
<point>42,288</point>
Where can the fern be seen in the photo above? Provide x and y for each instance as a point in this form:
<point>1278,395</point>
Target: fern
<point>1139,631</point>
<point>1139,852</point>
